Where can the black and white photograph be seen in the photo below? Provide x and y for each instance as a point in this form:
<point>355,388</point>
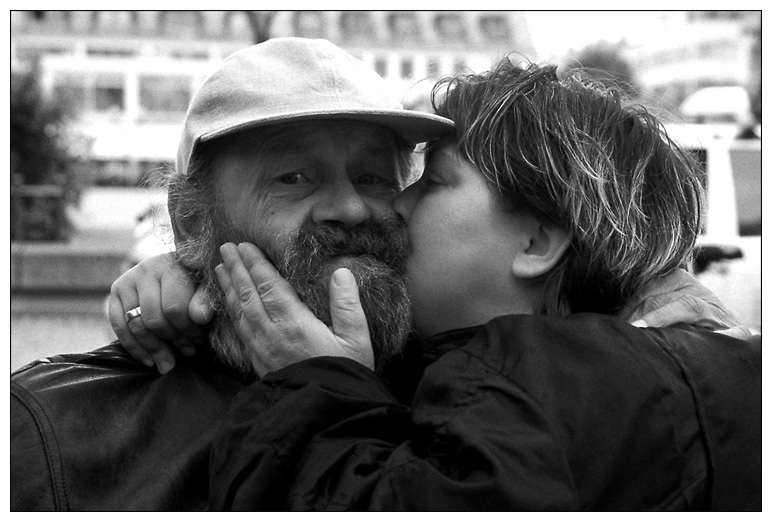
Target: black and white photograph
<point>385,260</point>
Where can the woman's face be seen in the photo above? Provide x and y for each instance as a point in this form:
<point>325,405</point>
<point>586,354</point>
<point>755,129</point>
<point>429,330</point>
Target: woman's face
<point>462,244</point>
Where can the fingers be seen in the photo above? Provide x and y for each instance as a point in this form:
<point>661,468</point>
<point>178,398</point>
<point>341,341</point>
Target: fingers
<point>278,298</point>
<point>348,319</point>
<point>115,309</point>
<point>134,335</point>
<point>171,321</point>
<point>199,309</point>
<point>738,332</point>
<point>687,309</point>
<point>678,298</point>
<point>276,327</point>
<point>262,293</point>
<point>163,290</point>
<point>248,330</point>
<point>240,291</point>
<point>694,311</point>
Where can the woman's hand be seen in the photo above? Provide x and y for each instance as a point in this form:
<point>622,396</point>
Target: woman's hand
<point>680,298</point>
<point>277,328</point>
<point>174,312</point>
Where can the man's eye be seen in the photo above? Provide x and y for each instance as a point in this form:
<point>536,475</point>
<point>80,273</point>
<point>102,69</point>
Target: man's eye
<point>293,178</point>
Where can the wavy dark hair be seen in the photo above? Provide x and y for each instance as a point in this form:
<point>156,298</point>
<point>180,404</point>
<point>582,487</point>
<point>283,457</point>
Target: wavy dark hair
<point>577,154</point>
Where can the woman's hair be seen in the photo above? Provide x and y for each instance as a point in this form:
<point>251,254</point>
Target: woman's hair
<point>576,154</point>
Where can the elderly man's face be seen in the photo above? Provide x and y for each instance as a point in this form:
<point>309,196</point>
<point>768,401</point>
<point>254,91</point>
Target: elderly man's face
<point>315,196</point>
<point>332,173</point>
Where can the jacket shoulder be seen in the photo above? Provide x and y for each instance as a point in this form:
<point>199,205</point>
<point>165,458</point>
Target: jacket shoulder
<point>98,431</point>
<point>108,356</point>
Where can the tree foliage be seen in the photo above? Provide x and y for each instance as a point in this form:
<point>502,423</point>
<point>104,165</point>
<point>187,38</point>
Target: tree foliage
<point>38,148</point>
<point>43,174</point>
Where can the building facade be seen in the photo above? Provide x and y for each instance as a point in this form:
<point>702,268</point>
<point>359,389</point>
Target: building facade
<point>697,49</point>
<point>129,75</point>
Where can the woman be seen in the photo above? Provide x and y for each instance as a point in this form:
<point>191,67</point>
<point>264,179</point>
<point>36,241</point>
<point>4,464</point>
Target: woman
<point>549,208</point>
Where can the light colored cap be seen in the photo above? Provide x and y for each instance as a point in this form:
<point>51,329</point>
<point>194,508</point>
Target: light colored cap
<point>291,79</point>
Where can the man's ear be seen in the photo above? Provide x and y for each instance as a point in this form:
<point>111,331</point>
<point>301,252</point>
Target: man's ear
<point>544,247</point>
<point>181,234</point>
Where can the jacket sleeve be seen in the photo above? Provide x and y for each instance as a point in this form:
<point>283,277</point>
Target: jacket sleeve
<point>256,455</point>
<point>326,435</point>
<point>36,483</point>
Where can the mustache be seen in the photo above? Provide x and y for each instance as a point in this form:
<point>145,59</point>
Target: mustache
<point>384,240</point>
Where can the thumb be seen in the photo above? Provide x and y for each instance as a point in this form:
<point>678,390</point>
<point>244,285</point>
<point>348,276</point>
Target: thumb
<point>348,319</point>
<point>199,309</point>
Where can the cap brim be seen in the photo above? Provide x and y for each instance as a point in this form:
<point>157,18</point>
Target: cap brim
<point>413,126</point>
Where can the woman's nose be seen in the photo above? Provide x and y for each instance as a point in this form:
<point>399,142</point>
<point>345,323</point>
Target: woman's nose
<point>405,202</point>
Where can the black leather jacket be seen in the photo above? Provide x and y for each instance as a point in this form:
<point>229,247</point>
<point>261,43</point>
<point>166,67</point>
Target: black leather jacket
<point>99,431</point>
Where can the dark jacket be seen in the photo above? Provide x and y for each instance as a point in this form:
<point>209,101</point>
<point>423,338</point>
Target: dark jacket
<point>527,413</point>
<point>99,431</point>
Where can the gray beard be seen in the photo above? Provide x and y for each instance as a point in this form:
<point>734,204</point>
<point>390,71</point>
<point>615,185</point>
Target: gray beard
<point>379,266</point>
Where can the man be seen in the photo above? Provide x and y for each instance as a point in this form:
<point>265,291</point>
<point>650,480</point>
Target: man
<point>287,136</point>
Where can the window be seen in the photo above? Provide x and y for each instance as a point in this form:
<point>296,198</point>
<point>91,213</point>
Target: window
<point>356,25</point>
<point>108,93</point>
<point>182,24</point>
<point>403,27</point>
<point>164,94</point>
<point>56,20</point>
<point>102,92</point>
<point>309,24</point>
<point>70,90</point>
<point>380,66</point>
<point>214,22</point>
<point>495,28</point>
<point>237,26</point>
<point>147,22</point>
<point>114,22</point>
<point>450,28</point>
<point>406,68</point>
<point>80,21</point>
<point>433,67</point>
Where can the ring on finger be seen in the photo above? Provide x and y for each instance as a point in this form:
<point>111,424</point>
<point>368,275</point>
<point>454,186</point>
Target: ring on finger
<point>133,314</point>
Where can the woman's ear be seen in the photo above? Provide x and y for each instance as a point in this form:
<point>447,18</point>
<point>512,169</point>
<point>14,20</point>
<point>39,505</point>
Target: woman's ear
<point>545,246</point>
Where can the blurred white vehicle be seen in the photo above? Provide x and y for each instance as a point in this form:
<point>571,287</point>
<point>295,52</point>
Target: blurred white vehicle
<point>729,257</point>
<point>729,104</point>
<point>152,234</point>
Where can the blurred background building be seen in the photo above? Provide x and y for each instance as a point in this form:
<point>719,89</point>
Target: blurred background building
<point>122,81</point>
<point>128,75</point>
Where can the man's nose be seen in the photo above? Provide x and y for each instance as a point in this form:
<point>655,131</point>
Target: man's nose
<point>340,205</point>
